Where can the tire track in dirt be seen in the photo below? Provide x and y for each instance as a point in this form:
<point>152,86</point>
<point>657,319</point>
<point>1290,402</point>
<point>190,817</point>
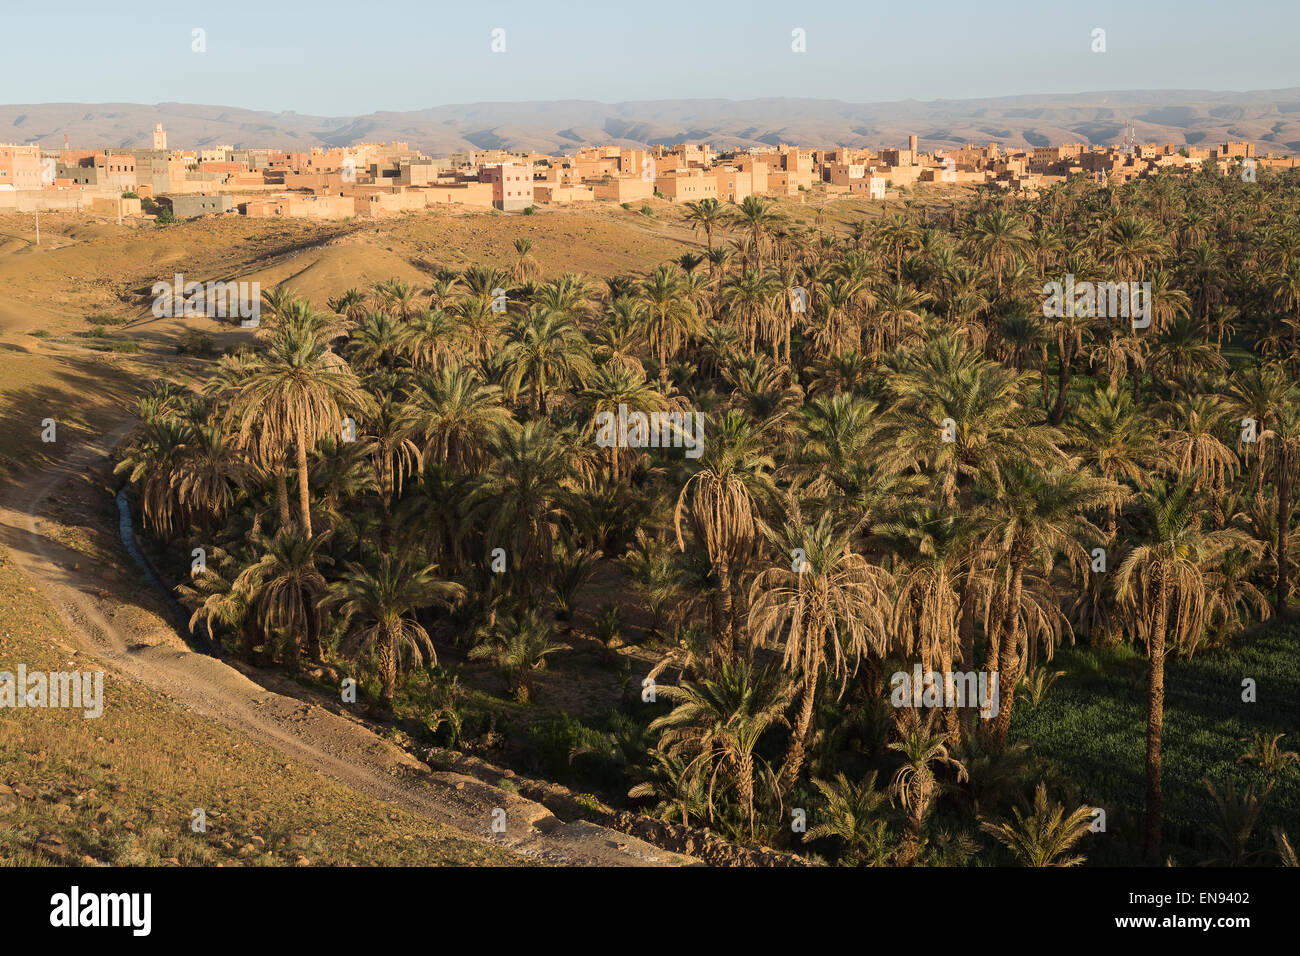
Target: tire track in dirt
<point>329,743</point>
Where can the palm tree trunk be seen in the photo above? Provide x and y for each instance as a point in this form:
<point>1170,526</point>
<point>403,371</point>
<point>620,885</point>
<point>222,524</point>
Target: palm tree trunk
<point>1062,384</point>
<point>282,497</point>
<point>1283,482</point>
<point>1042,371</point>
<point>313,637</point>
<point>799,736</point>
<point>1156,717</point>
<point>304,492</point>
<point>387,661</point>
<point>726,625</point>
<point>1009,657</point>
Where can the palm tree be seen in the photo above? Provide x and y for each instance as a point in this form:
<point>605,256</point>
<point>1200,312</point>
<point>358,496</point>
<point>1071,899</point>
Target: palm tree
<point>758,218</point>
<point>455,414</point>
<point>669,320</point>
<point>718,721</point>
<point>430,338</point>
<point>998,239</point>
<point>707,214</point>
<point>751,299</point>
<point>827,603</point>
<point>612,386</point>
<point>1112,438</point>
<point>724,501</point>
<point>1163,581</point>
<point>525,266</point>
<point>1039,516</point>
<point>300,392</point>
<point>378,608</point>
<point>935,547</point>
<point>896,306</point>
<point>1285,446</point>
<point>526,497</point>
<point>915,785</point>
<point>154,460</point>
<point>285,588</point>
<point>1041,838</point>
<point>519,646</point>
<point>546,348</point>
<point>852,813</point>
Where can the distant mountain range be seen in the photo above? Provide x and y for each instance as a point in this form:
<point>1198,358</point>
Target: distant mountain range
<point>1268,118</point>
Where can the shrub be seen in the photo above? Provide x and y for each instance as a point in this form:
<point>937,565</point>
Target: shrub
<point>529,210</point>
<point>196,343</point>
<point>647,210</point>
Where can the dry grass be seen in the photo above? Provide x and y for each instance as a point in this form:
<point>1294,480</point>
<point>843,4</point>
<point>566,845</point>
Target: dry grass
<point>120,789</point>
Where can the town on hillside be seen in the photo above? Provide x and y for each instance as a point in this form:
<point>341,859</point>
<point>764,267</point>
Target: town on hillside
<point>384,179</point>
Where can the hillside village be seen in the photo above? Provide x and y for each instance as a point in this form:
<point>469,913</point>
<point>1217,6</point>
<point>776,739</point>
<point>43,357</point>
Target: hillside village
<point>384,179</point>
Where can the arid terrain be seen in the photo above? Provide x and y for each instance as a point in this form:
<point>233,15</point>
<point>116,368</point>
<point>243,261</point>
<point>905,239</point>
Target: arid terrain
<point>1188,117</point>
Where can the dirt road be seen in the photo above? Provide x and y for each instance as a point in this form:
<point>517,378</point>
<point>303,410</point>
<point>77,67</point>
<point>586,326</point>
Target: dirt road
<point>134,640</point>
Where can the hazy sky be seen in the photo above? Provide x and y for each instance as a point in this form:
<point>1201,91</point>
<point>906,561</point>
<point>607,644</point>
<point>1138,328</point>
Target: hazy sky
<point>340,59</point>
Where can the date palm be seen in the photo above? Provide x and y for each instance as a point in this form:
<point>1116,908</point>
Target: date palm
<point>825,605</point>
<point>618,335</point>
<point>669,320</point>
<point>998,239</point>
<point>897,306</point>
<point>707,214</point>
<point>378,606</point>
<point>480,326</point>
<point>718,721</point>
<point>299,393</point>
<point>1044,836</point>
<point>757,218</point>
<point>1163,582</point>
<point>455,413</point>
<point>525,266</point>
<point>519,646</point>
<point>751,298</point>
<point>1039,518</point>
<point>723,501</point>
<point>546,349</point>
<point>611,386</point>
<point>526,497</point>
<point>153,461</point>
<point>285,588</point>
<point>210,474</point>
<point>1285,447</point>
<point>934,546</point>
<point>853,813</point>
<point>915,784</point>
<point>430,338</point>
<point>1113,438</point>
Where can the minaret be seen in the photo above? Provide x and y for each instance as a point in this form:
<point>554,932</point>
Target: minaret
<point>159,137</point>
<point>911,144</point>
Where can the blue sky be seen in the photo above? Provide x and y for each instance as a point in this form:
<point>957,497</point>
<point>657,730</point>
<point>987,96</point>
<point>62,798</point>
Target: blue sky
<point>340,59</point>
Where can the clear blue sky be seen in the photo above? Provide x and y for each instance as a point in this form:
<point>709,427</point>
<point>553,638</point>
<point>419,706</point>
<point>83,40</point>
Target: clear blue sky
<point>338,59</point>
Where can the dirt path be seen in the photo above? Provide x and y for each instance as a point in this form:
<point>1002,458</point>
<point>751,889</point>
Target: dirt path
<point>138,644</point>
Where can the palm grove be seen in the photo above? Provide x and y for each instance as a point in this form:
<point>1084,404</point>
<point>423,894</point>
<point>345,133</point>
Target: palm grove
<point>916,467</point>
